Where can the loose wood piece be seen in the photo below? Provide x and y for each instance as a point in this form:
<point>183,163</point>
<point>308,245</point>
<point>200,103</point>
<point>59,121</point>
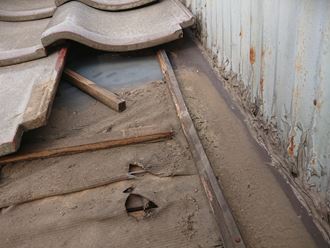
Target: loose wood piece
<point>229,230</point>
<point>103,95</point>
<point>128,137</point>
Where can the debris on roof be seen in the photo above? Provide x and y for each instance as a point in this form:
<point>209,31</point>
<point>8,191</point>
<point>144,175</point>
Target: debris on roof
<point>131,169</point>
<point>97,197</point>
<point>30,40</point>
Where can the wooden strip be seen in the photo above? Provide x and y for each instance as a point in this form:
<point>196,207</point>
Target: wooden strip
<point>103,95</point>
<point>87,147</point>
<point>225,220</point>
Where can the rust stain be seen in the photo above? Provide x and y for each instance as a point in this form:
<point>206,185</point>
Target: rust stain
<point>61,59</point>
<point>252,56</point>
<point>291,146</point>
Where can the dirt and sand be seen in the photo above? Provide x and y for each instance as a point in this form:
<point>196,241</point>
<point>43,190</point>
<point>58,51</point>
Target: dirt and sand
<point>264,212</point>
<point>97,216</point>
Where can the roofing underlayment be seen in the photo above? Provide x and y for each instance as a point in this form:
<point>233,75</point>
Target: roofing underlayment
<point>137,195</point>
<point>18,10</point>
<point>110,4</point>
<point>26,94</point>
<point>98,218</point>
<point>80,214</point>
<point>148,176</point>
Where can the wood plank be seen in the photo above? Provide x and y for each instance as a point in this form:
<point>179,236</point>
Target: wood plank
<point>105,96</point>
<point>225,220</point>
<point>128,138</point>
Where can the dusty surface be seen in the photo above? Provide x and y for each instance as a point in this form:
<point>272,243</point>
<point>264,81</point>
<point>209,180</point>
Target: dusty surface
<point>18,10</point>
<point>97,217</point>
<point>121,31</point>
<point>20,45</point>
<point>111,4</point>
<point>262,209</point>
<point>65,174</point>
<point>25,97</point>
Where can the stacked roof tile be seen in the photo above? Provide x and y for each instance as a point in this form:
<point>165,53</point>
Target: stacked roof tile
<point>29,71</point>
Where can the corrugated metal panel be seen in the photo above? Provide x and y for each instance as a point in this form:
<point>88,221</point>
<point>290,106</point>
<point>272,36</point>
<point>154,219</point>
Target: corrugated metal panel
<point>279,51</point>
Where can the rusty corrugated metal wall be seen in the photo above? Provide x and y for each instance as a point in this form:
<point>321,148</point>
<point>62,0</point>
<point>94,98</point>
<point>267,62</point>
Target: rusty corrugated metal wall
<point>278,51</point>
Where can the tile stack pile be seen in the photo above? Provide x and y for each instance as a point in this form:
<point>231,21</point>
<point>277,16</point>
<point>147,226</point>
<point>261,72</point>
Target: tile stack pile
<point>32,54</point>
